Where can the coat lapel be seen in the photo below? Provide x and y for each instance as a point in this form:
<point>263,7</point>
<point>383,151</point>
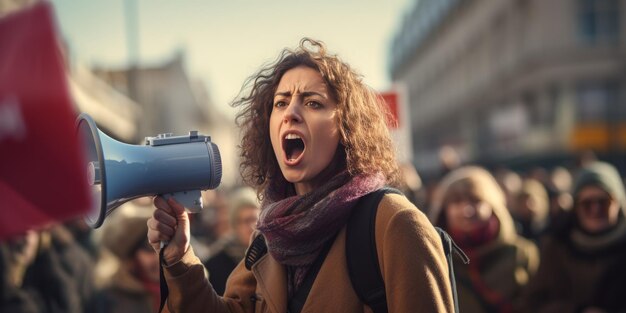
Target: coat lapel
<point>332,290</point>
<point>272,280</point>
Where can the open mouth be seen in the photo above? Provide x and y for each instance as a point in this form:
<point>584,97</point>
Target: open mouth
<point>293,146</point>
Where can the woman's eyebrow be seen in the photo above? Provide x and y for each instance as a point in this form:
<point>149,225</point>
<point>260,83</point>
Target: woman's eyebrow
<point>312,93</point>
<point>303,94</point>
<point>283,93</point>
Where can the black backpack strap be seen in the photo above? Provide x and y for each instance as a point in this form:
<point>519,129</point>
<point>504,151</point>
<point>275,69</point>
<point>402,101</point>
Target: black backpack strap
<point>256,250</point>
<point>361,255</point>
<point>448,247</point>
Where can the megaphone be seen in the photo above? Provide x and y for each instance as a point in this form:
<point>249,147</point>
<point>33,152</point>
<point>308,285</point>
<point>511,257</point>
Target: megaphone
<point>178,166</point>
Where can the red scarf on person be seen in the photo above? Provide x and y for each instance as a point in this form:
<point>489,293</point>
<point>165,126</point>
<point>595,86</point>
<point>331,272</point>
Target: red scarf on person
<point>469,242</point>
<point>297,228</point>
<point>478,237</point>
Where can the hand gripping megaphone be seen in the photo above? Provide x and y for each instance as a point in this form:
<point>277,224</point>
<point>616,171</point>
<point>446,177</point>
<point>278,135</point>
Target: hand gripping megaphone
<point>178,166</point>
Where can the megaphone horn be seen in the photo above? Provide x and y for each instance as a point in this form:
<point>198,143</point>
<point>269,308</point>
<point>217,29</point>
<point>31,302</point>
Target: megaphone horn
<point>178,166</point>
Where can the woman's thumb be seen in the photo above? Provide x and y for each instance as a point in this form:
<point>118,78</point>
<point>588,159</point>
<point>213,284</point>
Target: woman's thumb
<point>179,212</point>
<point>182,232</point>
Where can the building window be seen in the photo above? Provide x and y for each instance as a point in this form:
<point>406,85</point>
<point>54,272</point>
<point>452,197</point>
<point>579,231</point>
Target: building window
<point>596,102</point>
<point>599,20</point>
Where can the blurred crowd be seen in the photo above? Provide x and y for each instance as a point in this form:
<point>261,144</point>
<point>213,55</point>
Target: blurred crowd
<point>542,240</point>
<point>71,268</point>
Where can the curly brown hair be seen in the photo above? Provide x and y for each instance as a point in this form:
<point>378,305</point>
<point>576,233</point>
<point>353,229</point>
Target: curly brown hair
<point>361,115</point>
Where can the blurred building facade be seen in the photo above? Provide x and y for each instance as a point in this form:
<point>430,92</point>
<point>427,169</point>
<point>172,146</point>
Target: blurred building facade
<point>169,101</point>
<point>114,112</point>
<point>172,102</point>
<point>503,81</point>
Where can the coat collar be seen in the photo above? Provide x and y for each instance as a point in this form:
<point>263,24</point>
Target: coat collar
<point>272,280</point>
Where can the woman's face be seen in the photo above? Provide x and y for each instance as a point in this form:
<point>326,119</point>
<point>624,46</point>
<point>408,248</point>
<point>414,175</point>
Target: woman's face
<point>466,213</point>
<point>303,127</point>
<point>596,210</point>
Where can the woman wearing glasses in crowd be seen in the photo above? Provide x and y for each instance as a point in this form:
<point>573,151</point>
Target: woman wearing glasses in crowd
<point>583,263</point>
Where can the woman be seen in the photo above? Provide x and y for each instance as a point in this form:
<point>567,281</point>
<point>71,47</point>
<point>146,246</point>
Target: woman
<point>531,210</point>
<point>470,206</point>
<point>314,142</point>
<point>582,267</point>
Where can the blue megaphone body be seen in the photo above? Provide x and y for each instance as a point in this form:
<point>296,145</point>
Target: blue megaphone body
<point>178,166</point>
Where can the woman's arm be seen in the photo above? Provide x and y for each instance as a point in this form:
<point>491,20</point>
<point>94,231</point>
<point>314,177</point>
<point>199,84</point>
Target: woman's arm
<point>189,288</point>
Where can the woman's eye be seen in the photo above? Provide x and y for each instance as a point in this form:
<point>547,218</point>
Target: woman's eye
<point>279,104</point>
<point>314,104</point>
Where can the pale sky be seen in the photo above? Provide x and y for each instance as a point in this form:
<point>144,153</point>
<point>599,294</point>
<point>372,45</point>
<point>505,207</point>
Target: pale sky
<point>227,41</point>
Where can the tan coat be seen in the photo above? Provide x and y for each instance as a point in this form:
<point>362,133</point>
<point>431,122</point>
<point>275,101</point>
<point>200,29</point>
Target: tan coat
<point>411,258</point>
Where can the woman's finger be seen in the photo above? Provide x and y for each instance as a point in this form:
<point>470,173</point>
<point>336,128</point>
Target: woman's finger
<point>164,217</point>
<point>161,227</point>
<point>162,204</point>
<point>155,237</point>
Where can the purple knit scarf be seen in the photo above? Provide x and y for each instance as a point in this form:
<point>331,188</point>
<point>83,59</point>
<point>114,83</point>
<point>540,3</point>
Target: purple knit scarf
<point>296,228</point>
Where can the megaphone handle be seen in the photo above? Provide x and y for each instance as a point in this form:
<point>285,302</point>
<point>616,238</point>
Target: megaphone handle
<point>191,200</point>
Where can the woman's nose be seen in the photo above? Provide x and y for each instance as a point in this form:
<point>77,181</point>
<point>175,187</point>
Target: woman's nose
<point>292,112</point>
<point>469,210</point>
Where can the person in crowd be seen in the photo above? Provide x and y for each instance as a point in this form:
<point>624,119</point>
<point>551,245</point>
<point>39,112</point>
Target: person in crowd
<point>449,159</point>
<point>16,255</point>
<point>134,287</point>
<point>561,179</point>
<point>531,210</point>
<point>540,174</point>
<point>83,235</point>
<point>510,182</point>
<point>560,197</point>
<point>46,271</point>
<point>228,252</point>
<point>210,227</point>
<point>582,267</point>
<point>411,185</point>
<point>470,206</point>
<point>315,141</point>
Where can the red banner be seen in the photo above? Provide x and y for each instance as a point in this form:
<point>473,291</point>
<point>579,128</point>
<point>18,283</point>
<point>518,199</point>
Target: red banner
<point>391,99</point>
<point>41,177</point>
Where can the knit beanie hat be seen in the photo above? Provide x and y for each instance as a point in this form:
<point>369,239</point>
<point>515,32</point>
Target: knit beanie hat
<point>602,175</point>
